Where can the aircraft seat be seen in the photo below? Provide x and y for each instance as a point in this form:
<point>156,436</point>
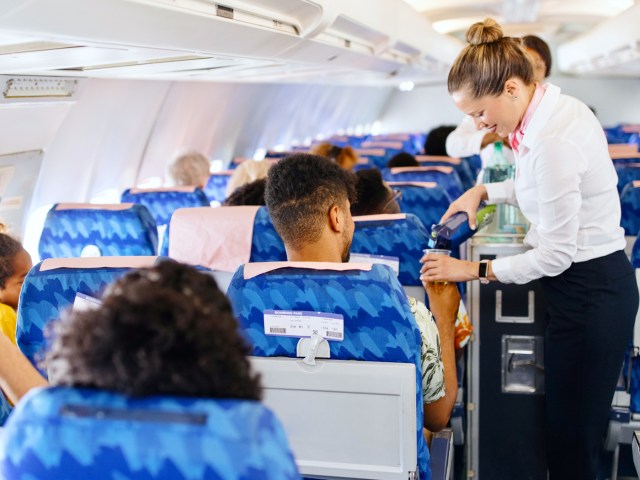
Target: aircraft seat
<point>72,229</point>
<point>224,238</point>
<point>79,434</point>
<point>630,218</point>
<point>446,177</point>
<point>627,173</point>
<point>461,166</point>
<point>162,202</point>
<point>426,200</point>
<point>52,286</point>
<point>375,315</point>
<point>401,236</point>
<point>216,187</point>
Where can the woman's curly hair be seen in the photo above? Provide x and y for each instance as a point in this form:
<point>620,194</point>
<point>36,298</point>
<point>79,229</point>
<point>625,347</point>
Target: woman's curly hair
<point>166,330</point>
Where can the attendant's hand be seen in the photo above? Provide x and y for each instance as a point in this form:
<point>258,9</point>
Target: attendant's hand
<point>468,202</point>
<point>441,268</point>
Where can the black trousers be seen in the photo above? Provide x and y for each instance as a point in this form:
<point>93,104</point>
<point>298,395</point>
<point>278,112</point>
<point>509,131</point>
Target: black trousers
<point>591,308</point>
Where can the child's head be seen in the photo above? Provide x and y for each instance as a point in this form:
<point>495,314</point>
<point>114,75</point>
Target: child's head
<point>15,263</point>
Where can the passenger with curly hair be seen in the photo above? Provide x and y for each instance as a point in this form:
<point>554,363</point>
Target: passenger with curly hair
<point>309,198</point>
<point>374,196</point>
<point>249,194</point>
<point>15,263</point>
<point>166,330</point>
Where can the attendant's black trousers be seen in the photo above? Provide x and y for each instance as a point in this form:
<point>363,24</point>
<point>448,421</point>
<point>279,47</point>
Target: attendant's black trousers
<point>591,308</point>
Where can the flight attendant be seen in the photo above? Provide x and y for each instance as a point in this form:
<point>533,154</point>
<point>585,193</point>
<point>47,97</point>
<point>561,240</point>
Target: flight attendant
<point>566,187</point>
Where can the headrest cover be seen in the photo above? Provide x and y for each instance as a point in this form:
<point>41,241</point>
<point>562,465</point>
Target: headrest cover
<point>183,188</point>
<point>259,268</point>
<point>381,217</point>
<point>94,206</point>
<point>97,262</point>
<point>413,184</point>
<point>397,170</point>
<point>438,158</point>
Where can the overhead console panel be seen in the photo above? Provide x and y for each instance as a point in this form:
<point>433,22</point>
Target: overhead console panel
<point>611,48</point>
<point>333,39</point>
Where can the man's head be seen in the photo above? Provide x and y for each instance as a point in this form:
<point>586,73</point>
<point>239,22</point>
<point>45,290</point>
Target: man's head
<point>308,198</point>
<point>374,195</point>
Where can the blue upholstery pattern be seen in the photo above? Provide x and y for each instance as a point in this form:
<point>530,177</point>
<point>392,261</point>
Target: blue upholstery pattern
<point>168,438</point>
<point>45,294</point>
<point>627,173</point>
<point>378,323</point>
<point>635,254</point>
<point>162,204</point>
<point>216,187</point>
<point>449,181</point>
<point>464,171</point>
<point>428,204</point>
<point>475,164</point>
<point>5,409</point>
<point>630,205</point>
<point>266,244</point>
<point>404,239</point>
<point>114,232</point>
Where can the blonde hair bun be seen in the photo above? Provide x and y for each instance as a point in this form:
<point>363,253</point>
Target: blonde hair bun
<point>487,31</point>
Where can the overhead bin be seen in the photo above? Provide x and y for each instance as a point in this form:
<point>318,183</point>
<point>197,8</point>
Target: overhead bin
<point>339,36</point>
<point>612,47</point>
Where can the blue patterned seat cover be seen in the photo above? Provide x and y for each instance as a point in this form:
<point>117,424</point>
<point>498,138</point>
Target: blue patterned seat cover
<point>426,203</point>
<point>162,204</point>
<point>378,323</point>
<point>404,239</point>
<point>449,181</point>
<point>114,232</point>
<point>81,434</point>
<point>475,164</point>
<point>463,169</point>
<point>627,173</point>
<point>266,244</point>
<point>45,294</point>
<point>630,205</point>
<point>216,187</point>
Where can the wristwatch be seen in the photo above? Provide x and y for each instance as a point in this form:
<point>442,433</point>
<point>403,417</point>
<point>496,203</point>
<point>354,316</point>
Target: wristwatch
<point>483,271</point>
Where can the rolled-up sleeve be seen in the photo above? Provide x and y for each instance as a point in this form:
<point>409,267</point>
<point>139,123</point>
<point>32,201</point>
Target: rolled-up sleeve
<point>465,140</point>
<point>558,167</point>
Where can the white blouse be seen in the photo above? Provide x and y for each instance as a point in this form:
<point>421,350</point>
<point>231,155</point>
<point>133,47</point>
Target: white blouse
<point>566,187</point>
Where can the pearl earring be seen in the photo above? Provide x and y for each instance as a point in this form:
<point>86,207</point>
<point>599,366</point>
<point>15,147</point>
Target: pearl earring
<point>515,99</point>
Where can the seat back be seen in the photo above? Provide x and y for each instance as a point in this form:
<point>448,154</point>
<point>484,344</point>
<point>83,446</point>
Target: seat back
<point>462,167</point>
<point>216,187</point>
<point>224,238</point>
<point>402,236</point>
<point>630,205</point>
<point>446,177</point>
<point>627,173</point>
<point>115,230</point>
<point>428,201</point>
<point>292,389</point>
<point>162,202</point>
<point>51,287</point>
<point>377,319</point>
<point>80,434</point>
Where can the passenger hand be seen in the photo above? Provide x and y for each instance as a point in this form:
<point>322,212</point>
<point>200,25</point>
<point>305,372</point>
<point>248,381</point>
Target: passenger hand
<point>468,202</point>
<point>441,268</point>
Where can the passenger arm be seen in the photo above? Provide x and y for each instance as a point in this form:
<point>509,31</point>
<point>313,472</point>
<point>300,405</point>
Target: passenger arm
<point>17,375</point>
<point>443,303</point>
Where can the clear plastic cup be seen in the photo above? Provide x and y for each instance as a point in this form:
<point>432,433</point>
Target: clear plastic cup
<point>437,251</point>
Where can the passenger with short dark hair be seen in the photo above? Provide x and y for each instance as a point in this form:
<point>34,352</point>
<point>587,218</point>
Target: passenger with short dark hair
<point>374,196</point>
<point>248,194</point>
<point>403,159</point>
<point>309,199</point>
<point>436,142</point>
